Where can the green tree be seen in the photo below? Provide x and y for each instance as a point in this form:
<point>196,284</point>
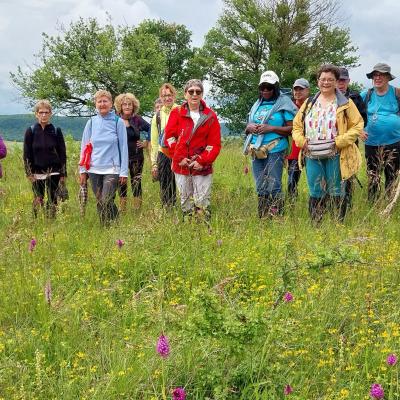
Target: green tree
<point>87,57</point>
<point>291,37</point>
<point>175,41</point>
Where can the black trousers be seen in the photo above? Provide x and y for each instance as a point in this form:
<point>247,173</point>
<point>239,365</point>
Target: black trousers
<point>167,180</point>
<point>49,185</point>
<point>381,158</point>
<point>135,174</point>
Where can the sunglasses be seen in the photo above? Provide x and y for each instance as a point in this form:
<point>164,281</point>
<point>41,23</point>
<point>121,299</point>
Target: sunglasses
<point>266,87</point>
<point>197,92</point>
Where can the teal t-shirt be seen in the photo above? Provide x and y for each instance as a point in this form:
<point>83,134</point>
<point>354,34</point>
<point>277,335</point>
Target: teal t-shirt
<point>277,119</point>
<point>383,125</point>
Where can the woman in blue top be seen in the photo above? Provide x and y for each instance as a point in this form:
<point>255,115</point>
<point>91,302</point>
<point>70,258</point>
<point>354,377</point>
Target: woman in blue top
<point>108,164</point>
<point>382,145</point>
<point>270,124</point>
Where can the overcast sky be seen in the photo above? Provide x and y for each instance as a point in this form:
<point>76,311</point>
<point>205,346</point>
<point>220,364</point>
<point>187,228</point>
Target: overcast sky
<point>373,25</point>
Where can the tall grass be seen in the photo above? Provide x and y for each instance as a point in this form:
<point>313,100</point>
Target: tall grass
<point>217,294</point>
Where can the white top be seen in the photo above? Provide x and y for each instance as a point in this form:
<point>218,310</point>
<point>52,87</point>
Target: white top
<point>44,176</point>
<point>195,115</point>
<point>105,171</point>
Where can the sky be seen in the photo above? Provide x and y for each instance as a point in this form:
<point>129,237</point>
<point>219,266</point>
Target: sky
<point>373,27</point>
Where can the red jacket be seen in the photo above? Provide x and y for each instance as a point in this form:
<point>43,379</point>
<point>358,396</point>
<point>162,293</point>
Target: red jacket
<point>202,144</point>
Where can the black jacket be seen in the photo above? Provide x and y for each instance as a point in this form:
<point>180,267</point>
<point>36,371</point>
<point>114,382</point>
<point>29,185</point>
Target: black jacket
<point>359,102</point>
<point>44,150</point>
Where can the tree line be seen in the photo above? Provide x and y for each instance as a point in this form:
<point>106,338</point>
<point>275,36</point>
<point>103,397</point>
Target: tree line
<point>291,37</point>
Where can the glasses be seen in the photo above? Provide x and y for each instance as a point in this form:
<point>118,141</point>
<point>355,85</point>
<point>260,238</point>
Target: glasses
<point>378,74</point>
<point>43,112</point>
<point>327,80</point>
<point>165,96</point>
<point>196,92</point>
<point>268,88</point>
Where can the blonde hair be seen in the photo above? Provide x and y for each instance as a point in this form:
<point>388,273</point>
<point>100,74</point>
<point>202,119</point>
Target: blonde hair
<point>126,96</point>
<point>165,86</point>
<point>102,93</point>
<point>42,104</point>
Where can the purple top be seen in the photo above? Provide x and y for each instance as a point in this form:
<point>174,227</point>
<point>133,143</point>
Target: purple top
<point>3,153</point>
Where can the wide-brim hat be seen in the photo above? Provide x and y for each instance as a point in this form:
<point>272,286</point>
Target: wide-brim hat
<point>382,68</point>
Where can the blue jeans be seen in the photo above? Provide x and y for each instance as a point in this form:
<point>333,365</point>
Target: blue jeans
<point>323,177</point>
<point>293,177</point>
<point>267,174</point>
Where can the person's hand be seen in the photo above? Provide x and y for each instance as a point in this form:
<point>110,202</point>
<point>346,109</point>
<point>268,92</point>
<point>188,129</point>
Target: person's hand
<point>185,162</point>
<point>196,166</point>
<point>83,178</point>
<point>363,136</point>
<point>264,128</point>
<point>123,180</point>
<point>31,178</point>
<point>305,147</point>
<point>251,128</point>
<point>154,172</point>
<point>140,144</point>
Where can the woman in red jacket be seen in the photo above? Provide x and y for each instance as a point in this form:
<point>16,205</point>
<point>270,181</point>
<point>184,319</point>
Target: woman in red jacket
<point>193,136</point>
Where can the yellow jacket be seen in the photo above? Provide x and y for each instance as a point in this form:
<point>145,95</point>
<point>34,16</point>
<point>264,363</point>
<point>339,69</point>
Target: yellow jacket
<point>164,115</point>
<point>349,126</point>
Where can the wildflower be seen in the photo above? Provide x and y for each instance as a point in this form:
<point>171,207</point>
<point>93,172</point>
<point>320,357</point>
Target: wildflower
<point>32,244</point>
<point>288,389</point>
<point>178,394</point>
<point>47,292</point>
<point>163,346</point>
<point>246,170</point>
<point>376,391</point>
<point>120,243</point>
<point>219,242</point>
<point>288,297</point>
<point>391,359</point>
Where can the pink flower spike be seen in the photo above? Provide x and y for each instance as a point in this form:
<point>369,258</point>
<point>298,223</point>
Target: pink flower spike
<point>391,359</point>
<point>163,346</point>
<point>246,170</point>
<point>32,244</point>
<point>178,394</point>
<point>288,390</point>
<point>377,391</point>
<point>120,243</point>
<point>288,297</point>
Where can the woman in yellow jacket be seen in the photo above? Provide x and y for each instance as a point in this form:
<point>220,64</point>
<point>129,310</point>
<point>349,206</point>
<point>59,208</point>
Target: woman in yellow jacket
<point>160,163</point>
<point>326,128</point>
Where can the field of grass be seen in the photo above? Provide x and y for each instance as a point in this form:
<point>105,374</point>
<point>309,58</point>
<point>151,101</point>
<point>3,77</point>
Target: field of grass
<point>80,317</point>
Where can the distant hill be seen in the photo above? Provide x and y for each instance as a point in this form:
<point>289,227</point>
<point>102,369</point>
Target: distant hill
<point>13,127</point>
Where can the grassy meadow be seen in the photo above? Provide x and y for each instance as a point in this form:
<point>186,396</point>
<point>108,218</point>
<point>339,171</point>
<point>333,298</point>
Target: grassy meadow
<point>80,316</point>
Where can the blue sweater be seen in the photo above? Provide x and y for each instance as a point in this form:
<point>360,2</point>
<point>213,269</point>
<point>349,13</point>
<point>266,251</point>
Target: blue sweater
<point>109,139</point>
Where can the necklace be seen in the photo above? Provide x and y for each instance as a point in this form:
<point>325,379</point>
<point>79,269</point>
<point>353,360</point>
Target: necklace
<point>381,103</point>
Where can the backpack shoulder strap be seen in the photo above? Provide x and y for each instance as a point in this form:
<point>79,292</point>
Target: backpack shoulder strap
<point>158,121</point>
<point>397,94</point>
<point>367,98</point>
<point>311,100</point>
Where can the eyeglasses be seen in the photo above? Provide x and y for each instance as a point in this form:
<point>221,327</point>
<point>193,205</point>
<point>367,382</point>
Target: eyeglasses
<point>378,74</point>
<point>327,80</point>
<point>269,88</point>
<point>196,92</point>
<point>165,96</point>
<point>43,112</point>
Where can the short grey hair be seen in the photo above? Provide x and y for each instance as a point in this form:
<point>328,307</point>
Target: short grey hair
<point>193,82</point>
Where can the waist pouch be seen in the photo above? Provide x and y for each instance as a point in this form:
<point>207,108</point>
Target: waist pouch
<point>321,149</point>
<point>262,151</point>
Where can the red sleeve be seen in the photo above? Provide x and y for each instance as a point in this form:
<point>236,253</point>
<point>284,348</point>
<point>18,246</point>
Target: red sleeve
<point>171,131</point>
<point>213,146</point>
